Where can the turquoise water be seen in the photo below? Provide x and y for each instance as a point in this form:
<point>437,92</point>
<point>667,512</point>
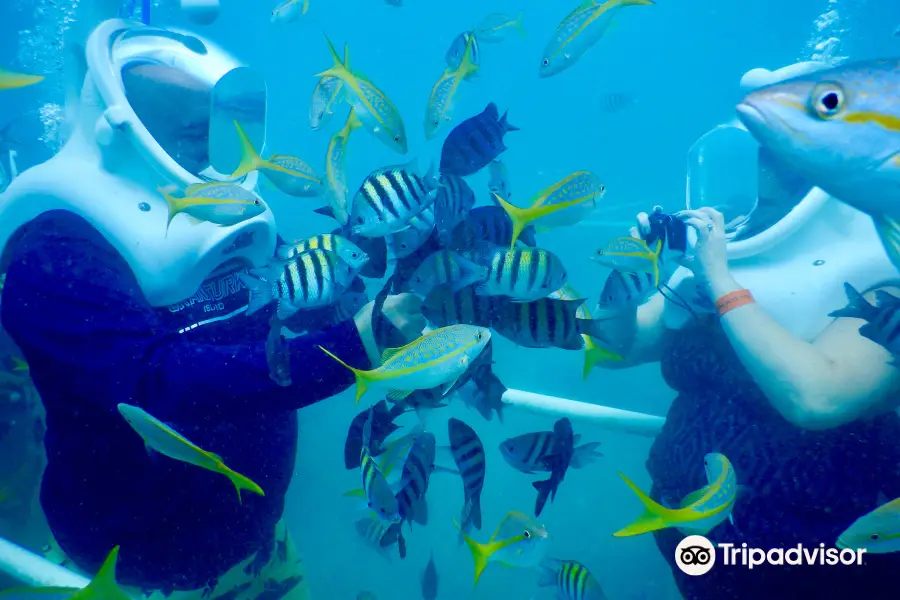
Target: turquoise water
<point>681,61</point>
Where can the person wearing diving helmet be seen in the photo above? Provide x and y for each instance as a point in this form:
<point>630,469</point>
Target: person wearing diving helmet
<point>108,305</point>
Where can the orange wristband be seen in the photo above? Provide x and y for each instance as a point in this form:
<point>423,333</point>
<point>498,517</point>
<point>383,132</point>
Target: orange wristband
<point>734,300</point>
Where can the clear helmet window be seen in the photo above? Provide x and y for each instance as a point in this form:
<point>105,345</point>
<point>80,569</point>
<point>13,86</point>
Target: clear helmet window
<point>729,171</point>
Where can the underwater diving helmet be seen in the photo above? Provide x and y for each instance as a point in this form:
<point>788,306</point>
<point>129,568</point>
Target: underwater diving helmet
<point>157,108</point>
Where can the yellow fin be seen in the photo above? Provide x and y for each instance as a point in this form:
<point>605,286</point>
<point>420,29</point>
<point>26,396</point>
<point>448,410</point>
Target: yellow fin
<point>653,519</point>
<point>521,217</point>
<point>241,482</point>
<point>173,204</point>
<point>362,381</point>
<point>390,353</point>
<point>250,158</point>
<point>481,553</point>
<point>594,355</point>
<point>103,586</point>
<point>337,69</point>
<point>398,395</point>
<point>10,80</point>
<point>357,493</point>
<point>19,364</point>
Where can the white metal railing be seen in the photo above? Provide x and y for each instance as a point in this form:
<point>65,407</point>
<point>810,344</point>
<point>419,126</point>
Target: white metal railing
<point>28,569</point>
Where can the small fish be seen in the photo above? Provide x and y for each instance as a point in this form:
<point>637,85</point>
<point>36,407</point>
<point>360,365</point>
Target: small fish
<point>700,511</point>
<point>489,224</point>
<point>10,80</point>
<point>445,267</point>
<point>877,532</point>
<point>372,106</point>
<point>457,49</point>
<point>289,174</point>
<point>897,31</point>
<point>518,542</point>
<point>377,490</point>
<point>579,31</point>
<point>594,354</point>
<point>102,587</point>
<point>290,11</point>
<point>375,248</point>
<point>437,358</point>
<point>624,291</point>
<point>349,252</point>
<point>631,255</point>
<point>327,95</point>
<point>484,392</point>
<point>455,200</point>
<point>414,480</point>
<point>499,179</point>
<point>523,274</point>
<point>615,102</point>
<point>468,454</point>
<point>379,535</point>
<point>18,364</point>
<point>556,205</point>
<point>311,279</point>
<point>443,307</point>
<point>407,242</point>
<point>571,579</point>
<point>382,428</point>
<point>559,462</point>
<point>336,190</point>
<point>224,204</point>
<point>389,197</point>
<point>475,142</point>
<point>532,452</point>
<point>882,319</point>
<point>495,27</point>
<point>430,580</point>
<point>161,438</point>
<point>441,101</point>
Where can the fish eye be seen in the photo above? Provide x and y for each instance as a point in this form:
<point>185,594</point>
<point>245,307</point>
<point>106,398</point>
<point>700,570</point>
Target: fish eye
<point>828,100</point>
<point>436,122</point>
<point>545,62</point>
<point>479,336</point>
<point>527,534</point>
<point>874,537</point>
<point>396,138</point>
<point>600,252</point>
<point>360,220</point>
<point>355,255</point>
<point>257,202</point>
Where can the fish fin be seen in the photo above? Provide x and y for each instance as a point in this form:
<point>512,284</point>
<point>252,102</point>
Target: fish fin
<point>398,395</point>
<point>421,511</point>
<point>19,365</point>
<point>260,292</point>
<point>443,469</point>
<point>337,69</point>
<point>241,482</point>
<point>481,290</point>
<point>653,519</point>
<point>285,310</point>
<point>544,489</point>
<point>636,2</point>
<point>357,493</point>
<point>889,231</point>
<point>481,553</point>
<point>585,455</point>
<point>882,299</point>
<point>656,252</point>
<point>595,354</point>
<point>507,126</point>
<point>172,203</point>
<point>518,22</point>
<point>362,381</point>
<point>389,353</point>
<point>284,252</point>
<point>250,159</point>
<point>103,585</point>
<point>693,497</point>
<point>857,307</point>
<point>466,67</point>
<point>325,211</point>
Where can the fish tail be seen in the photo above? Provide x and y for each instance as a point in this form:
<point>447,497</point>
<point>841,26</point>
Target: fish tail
<point>173,204</point>
<point>260,292</point>
<point>362,382</point>
<point>594,355</point>
<point>507,126</point>
<point>653,519</point>
<point>104,585</point>
<point>466,67</point>
<point>585,455</point>
<point>250,158</point>
<point>481,553</point>
<point>636,2</point>
<point>519,217</point>
<point>353,122</point>
<point>519,26</point>
<point>305,7</point>
<point>241,482</point>
<point>857,308</point>
<point>19,364</point>
<point>338,69</point>
<point>10,80</point>
<point>656,254</point>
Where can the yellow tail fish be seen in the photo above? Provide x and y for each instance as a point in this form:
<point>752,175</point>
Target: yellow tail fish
<point>102,587</point>
<point>163,439</point>
<point>10,80</point>
<point>437,358</point>
<point>289,174</point>
<point>441,101</point>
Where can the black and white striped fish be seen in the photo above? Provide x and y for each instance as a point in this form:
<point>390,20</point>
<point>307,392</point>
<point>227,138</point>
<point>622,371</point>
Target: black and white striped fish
<point>455,199</point>
<point>882,319</point>
<point>414,480</point>
<point>389,197</point>
<point>542,323</point>
<point>624,290</point>
<point>443,307</point>
<point>406,242</point>
<point>445,267</point>
<point>309,280</point>
<point>522,274</point>
<point>531,452</point>
<point>349,252</point>
<point>468,454</point>
<point>489,224</point>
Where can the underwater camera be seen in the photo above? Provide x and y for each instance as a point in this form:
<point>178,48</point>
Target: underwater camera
<point>670,229</point>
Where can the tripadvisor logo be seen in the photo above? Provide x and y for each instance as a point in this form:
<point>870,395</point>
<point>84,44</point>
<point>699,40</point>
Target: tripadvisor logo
<point>696,555</point>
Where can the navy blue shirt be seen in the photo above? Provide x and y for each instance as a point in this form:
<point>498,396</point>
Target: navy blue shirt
<point>74,308</point>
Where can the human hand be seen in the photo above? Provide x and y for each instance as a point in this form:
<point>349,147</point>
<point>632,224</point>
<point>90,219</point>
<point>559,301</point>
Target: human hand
<point>404,311</point>
<point>642,230</point>
<point>709,258</point>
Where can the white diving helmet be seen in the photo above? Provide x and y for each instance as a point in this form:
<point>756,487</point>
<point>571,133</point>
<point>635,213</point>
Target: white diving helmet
<point>157,109</point>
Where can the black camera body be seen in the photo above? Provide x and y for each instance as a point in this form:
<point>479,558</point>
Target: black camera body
<point>670,229</point>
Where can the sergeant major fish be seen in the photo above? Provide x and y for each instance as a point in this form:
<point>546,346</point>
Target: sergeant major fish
<point>475,142</point>
<point>532,452</point>
<point>349,252</point>
<point>571,579</point>
<point>454,201</point>
<point>522,274</point>
<point>414,480</point>
<point>389,197</point>
<point>559,461</point>
<point>468,454</point>
<point>445,267</point>
<point>377,491</point>
<point>882,319</point>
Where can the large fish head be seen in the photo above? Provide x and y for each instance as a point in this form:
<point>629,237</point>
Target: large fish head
<point>353,255</point>
<point>478,339</point>
<point>839,127</point>
<point>877,532</point>
<point>515,450</point>
<point>715,464</point>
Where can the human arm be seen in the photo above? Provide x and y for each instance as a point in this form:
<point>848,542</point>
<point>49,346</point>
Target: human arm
<point>831,381</point>
<point>74,307</point>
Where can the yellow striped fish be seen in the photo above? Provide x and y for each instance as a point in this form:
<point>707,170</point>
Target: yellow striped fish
<point>437,358</point>
<point>289,174</point>
<point>593,353</point>
<point>349,252</point>
<point>441,101</point>
<point>10,80</point>
<point>102,587</point>
<point>631,255</point>
<point>329,93</point>
<point>336,190</point>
